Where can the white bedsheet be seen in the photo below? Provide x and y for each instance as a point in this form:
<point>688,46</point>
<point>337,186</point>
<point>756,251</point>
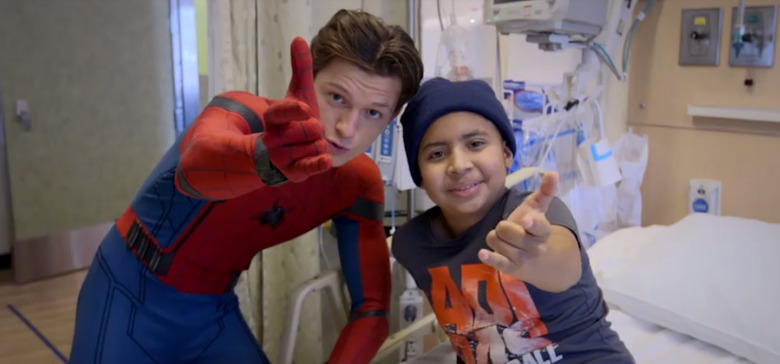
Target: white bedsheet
<point>648,343</point>
<point>652,344</point>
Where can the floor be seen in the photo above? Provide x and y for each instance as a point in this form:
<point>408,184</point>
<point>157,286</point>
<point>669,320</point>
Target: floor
<point>36,319</point>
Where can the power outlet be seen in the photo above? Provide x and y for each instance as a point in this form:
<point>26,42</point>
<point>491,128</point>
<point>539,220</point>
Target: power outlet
<point>704,196</point>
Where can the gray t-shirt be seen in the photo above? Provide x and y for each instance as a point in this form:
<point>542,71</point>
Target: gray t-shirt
<point>491,317</point>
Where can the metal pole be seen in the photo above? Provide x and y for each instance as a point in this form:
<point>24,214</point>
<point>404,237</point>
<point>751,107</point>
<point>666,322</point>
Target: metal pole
<point>415,31</point>
<point>5,175</point>
<point>413,19</point>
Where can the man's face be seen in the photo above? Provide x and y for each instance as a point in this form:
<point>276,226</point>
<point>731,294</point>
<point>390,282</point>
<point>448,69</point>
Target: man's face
<point>355,107</point>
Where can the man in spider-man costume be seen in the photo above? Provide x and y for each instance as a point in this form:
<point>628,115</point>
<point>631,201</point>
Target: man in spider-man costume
<point>250,173</point>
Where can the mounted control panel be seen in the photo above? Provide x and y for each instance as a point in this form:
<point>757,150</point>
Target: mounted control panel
<point>700,37</point>
<point>755,47</point>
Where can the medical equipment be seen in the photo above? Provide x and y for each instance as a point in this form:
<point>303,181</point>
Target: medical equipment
<point>410,310</point>
<point>559,141</point>
<point>555,25</point>
<point>385,149</point>
<point>700,34</point>
<point>550,23</point>
<point>522,100</point>
<point>739,29</point>
<point>451,58</point>
<point>753,36</point>
<point>631,153</point>
<point>595,158</point>
<point>559,24</point>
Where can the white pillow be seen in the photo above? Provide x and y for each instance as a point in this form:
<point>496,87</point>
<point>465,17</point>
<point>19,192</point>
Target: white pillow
<point>714,278</point>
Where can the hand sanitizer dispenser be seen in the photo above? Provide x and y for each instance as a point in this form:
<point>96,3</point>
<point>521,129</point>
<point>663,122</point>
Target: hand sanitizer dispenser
<point>704,196</point>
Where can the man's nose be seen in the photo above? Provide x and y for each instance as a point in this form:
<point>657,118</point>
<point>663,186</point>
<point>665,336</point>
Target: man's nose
<point>347,123</point>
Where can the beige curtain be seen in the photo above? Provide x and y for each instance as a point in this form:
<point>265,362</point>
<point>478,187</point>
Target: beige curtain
<point>233,66</point>
<point>287,265</point>
<point>249,49</point>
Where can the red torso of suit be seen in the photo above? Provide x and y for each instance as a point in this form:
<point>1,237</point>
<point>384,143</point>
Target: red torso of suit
<point>213,241</point>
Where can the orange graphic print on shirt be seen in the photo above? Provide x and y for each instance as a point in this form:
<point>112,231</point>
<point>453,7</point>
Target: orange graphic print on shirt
<point>491,318</point>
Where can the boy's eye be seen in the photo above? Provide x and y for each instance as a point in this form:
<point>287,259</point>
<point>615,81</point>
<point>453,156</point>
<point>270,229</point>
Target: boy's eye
<point>435,155</point>
<point>477,143</point>
<point>374,114</point>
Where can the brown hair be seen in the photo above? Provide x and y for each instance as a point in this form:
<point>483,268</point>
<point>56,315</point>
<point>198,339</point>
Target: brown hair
<point>365,41</point>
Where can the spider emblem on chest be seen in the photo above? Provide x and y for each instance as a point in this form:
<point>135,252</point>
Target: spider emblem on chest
<point>273,217</point>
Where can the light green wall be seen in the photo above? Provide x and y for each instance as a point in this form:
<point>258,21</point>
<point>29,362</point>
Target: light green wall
<point>202,32</point>
<point>98,78</point>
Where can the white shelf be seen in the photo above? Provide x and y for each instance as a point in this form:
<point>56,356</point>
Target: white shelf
<point>765,115</point>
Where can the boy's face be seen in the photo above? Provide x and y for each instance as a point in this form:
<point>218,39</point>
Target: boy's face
<point>355,107</point>
<point>463,163</point>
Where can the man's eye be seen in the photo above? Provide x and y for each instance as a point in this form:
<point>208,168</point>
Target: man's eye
<point>374,114</point>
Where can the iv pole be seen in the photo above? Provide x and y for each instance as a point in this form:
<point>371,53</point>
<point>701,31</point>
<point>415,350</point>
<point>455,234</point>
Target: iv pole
<point>414,29</point>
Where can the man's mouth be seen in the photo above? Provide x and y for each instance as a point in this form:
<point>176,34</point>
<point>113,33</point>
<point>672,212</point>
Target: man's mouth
<point>336,148</point>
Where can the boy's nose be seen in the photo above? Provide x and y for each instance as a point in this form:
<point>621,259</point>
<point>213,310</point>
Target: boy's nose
<point>458,163</point>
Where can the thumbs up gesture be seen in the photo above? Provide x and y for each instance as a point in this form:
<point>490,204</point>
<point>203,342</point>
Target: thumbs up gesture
<point>523,235</point>
<point>293,133</point>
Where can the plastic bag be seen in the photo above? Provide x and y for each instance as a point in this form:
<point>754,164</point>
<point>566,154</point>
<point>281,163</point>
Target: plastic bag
<point>451,59</point>
<point>593,209</point>
<point>631,153</point>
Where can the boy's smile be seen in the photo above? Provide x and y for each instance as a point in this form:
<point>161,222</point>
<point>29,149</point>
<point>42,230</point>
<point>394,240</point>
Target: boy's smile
<point>466,190</point>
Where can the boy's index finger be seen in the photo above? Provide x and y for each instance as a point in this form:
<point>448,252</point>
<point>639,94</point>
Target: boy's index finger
<point>538,200</point>
<point>302,82</point>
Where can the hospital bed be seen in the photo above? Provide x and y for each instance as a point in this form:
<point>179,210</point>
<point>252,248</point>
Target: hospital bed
<point>703,290</point>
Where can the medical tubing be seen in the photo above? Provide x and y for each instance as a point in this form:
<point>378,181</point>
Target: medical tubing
<point>320,242</point>
<point>603,56</point>
<point>741,14</point>
<point>599,115</point>
<point>438,10</point>
<point>627,44</point>
<point>546,103</point>
<point>606,58</point>
<point>563,119</point>
<point>393,196</point>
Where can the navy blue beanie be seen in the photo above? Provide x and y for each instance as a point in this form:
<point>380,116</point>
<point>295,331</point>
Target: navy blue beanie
<point>438,97</point>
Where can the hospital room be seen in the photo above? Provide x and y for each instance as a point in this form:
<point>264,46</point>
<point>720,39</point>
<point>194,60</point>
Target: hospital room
<point>269,181</point>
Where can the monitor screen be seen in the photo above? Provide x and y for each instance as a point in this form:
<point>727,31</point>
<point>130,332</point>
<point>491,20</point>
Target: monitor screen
<point>507,1</point>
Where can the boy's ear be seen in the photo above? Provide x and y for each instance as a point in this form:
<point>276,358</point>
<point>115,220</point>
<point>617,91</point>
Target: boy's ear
<point>509,157</point>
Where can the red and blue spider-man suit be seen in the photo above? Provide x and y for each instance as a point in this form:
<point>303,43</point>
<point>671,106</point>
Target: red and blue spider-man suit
<point>160,289</point>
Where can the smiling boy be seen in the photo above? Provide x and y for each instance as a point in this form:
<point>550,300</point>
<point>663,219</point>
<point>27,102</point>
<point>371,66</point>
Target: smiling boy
<point>503,270</point>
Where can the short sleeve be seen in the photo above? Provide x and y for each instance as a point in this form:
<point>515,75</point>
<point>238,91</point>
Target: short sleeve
<point>559,214</point>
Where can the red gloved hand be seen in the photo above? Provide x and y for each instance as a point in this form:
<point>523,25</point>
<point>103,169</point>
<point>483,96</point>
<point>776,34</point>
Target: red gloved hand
<point>293,133</point>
